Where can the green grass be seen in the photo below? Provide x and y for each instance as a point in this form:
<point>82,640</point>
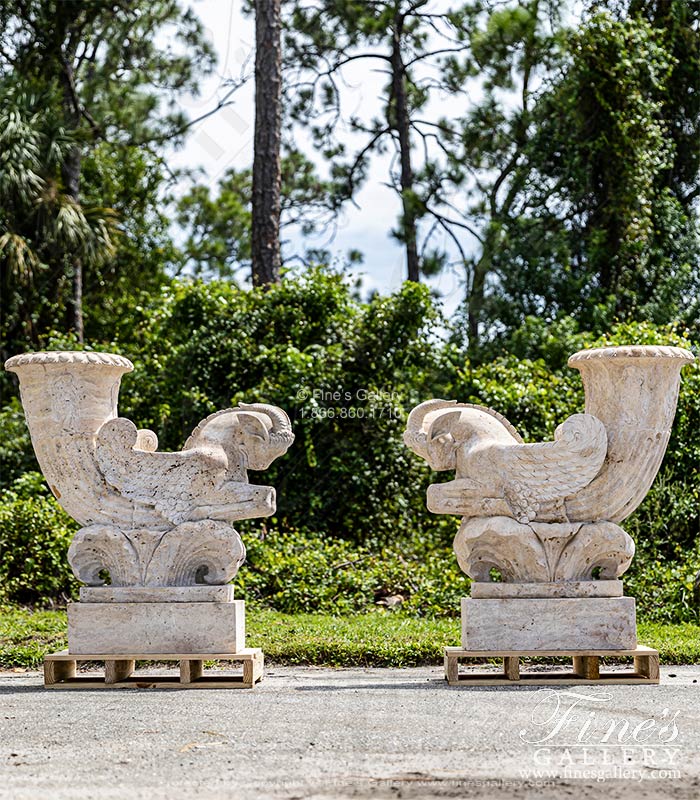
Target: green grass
<point>25,635</point>
<point>380,639</point>
<point>677,644</point>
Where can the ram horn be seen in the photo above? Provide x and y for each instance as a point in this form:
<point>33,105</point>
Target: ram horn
<point>414,436</point>
<point>279,436</point>
<point>281,431</point>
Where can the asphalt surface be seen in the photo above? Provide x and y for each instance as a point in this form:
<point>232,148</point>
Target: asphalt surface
<point>355,733</point>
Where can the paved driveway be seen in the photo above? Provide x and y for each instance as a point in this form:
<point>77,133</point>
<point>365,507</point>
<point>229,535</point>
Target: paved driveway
<point>321,733</point>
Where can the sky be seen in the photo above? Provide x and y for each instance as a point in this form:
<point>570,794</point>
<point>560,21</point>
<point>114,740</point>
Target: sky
<point>225,140</point>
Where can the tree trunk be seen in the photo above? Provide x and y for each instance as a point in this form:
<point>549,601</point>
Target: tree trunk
<point>267,175</point>
<point>401,123</point>
<point>475,301</point>
<point>70,174</point>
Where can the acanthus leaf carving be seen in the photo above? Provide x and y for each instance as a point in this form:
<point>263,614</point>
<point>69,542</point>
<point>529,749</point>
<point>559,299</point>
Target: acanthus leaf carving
<point>503,544</point>
<point>542,552</point>
<point>196,552</point>
<point>104,548</point>
<point>206,552</point>
<point>598,546</point>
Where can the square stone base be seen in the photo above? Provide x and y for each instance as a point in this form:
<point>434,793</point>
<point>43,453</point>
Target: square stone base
<point>551,623</point>
<point>156,628</point>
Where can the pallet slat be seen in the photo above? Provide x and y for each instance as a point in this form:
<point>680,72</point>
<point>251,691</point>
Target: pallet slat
<point>511,668</point>
<point>60,671</point>
<point>586,668</point>
<point>56,671</point>
<point>191,671</point>
<point>65,655</point>
<point>640,650</point>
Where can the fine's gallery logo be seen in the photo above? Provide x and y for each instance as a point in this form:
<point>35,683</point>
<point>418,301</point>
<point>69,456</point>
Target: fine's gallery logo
<point>591,736</point>
<point>341,403</point>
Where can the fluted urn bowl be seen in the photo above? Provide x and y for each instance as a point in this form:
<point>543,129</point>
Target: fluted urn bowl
<point>633,391</point>
<point>67,397</point>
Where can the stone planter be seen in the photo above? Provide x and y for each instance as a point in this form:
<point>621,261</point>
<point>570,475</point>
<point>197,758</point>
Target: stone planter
<point>544,518</point>
<point>156,550</point>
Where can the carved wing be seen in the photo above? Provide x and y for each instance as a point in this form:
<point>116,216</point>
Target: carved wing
<point>534,474</point>
<point>171,482</point>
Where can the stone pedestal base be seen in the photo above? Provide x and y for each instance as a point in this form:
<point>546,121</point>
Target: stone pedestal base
<point>156,627</point>
<point>551,623</point>
<point>157,594</point>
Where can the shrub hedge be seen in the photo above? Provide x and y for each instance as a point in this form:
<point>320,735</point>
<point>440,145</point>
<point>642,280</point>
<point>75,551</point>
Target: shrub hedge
<point>351,528</point>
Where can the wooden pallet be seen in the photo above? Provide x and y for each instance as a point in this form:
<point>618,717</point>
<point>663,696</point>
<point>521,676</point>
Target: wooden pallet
<point>61,671</point>
<point>586,668</point>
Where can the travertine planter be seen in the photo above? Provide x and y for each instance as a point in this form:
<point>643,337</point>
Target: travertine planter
<point>545,517</point>
<point>156,549</point>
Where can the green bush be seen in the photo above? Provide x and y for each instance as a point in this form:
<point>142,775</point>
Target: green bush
<point>201,347</point>
<point>349,477</point>
<point>34,537</point>
<point>298,572</point>
<point>16,454</point>
<point>667,589</point>
<point>295,571</point>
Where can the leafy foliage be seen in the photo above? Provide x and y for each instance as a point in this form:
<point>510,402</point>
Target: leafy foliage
<point>489,180</point>
<point>41,227</point>
<point>295,572</point>
<point>603,229</point>
<point>34,537</point>
<point>88,97</point>
<point>16,453</point>
<point>345,372</point>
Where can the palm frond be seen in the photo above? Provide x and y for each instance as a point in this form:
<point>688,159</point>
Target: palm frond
<point>19,256</point>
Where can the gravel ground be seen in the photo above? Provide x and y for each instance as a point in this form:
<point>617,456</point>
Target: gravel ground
<point>355,733</point>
